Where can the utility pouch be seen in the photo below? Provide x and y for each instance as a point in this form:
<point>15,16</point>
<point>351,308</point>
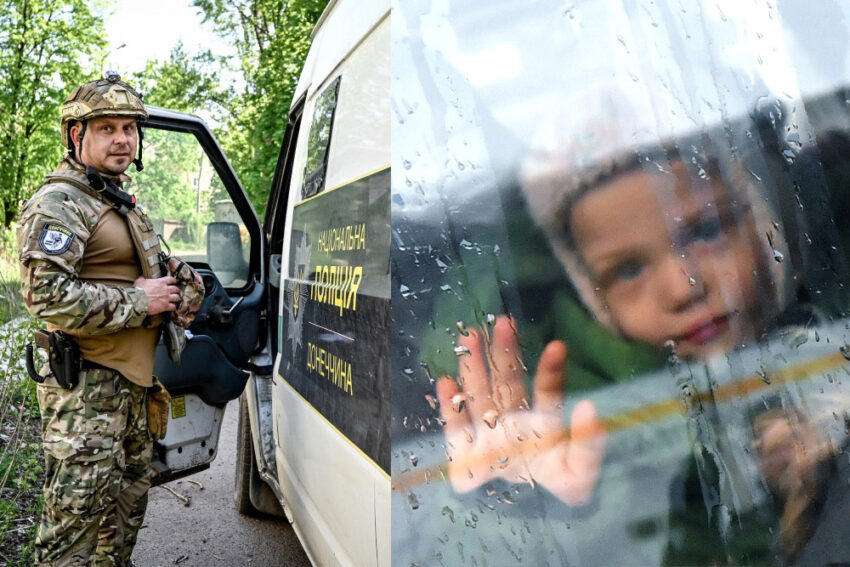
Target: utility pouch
<point>64,358</point>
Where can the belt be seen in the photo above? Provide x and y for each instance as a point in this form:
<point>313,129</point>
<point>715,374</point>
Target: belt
<point>42,341</point>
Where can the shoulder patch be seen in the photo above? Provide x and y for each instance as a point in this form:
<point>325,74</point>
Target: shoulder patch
<point>55,238</point>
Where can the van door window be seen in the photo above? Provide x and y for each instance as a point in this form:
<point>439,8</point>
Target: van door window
<point>620,306</point>
<point>185,199</point>
<point>318,142</point>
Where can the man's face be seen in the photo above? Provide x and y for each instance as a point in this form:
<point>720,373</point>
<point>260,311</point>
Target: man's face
<point>670,262</point>
<point>109,145</point>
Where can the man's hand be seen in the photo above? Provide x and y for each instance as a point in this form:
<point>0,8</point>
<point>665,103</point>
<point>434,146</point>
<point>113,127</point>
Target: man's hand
<point>492,432</point>
<point>163,294</point>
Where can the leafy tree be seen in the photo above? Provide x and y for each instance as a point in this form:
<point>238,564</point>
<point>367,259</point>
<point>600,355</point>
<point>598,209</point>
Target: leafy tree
<point>185,83</point>
<point>44,48</point>
<point>166,189</point>
<point>272,39</point>
<point>172,186</point>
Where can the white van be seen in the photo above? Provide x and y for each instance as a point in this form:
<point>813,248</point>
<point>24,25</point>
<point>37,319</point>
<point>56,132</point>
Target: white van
<point>314,437</point>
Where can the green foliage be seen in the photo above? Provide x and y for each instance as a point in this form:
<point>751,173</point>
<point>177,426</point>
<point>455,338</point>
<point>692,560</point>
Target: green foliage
<point>11,302</point>
<point>165,188</point>
<point>272,39</point>
<point>21,468</point>
<point>176,186</point>
<point>46,48</point>
<point>185,83</point>
<point>21,461</point>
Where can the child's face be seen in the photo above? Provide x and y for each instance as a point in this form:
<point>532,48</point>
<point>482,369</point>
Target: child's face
<point>669,260</point>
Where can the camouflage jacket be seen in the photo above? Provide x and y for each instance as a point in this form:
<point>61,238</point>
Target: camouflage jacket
<point>54,227</point>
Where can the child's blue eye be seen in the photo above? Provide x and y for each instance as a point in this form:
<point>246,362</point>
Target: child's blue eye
<point>707,230</point>
<point>627,271</point>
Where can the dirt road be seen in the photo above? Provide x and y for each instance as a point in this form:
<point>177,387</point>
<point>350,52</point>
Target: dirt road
<point>209,531</point>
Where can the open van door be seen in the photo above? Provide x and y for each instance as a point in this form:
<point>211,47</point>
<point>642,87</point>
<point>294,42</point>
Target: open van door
<point>191,194</point>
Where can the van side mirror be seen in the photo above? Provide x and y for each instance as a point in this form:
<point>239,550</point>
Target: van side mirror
<point>224,251</point>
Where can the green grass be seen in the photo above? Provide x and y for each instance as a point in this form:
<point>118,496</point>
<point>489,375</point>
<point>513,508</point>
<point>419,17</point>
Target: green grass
<point>21,460</point>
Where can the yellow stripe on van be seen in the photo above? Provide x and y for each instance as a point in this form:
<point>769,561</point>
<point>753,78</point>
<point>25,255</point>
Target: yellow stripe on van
<point>639,416</point>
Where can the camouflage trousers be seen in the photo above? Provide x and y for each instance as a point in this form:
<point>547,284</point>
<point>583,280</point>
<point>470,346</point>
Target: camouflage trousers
<point>97,451</point>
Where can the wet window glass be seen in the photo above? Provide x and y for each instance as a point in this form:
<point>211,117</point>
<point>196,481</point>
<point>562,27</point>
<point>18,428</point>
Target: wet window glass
<point>620,283</point>
<point>186,201</point>
<point>318,141</point>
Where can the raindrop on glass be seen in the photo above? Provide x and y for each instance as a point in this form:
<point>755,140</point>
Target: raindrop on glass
<point>521,363</point>
<point>413,501</point>
<point>798,339</point>
<point>449,513</point>
<point>461,350</point>
<point>458,402</point>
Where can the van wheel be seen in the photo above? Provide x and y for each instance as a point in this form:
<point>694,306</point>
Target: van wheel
<point>252,496</point>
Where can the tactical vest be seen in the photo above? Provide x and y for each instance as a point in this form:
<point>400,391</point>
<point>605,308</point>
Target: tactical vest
<point>147,244</point>
<point>145,239</point>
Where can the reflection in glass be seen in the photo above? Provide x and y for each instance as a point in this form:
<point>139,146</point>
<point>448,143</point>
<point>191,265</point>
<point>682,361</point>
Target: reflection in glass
<point>318,141</point>
<point>619,304</point>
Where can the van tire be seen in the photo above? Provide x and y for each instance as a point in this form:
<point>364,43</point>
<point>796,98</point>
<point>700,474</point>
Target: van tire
<point>252,495</point>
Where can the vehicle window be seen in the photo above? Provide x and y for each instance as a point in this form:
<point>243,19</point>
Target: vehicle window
<point>318,141</point>
<point>188,205</point>
<point>620,283</point>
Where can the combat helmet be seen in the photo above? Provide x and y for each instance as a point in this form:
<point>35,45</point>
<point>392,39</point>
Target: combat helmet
<point>109,96</point>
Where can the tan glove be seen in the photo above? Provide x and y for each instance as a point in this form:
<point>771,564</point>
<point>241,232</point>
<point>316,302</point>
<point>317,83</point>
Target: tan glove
<point>158,403</point>
<point>191,291</point>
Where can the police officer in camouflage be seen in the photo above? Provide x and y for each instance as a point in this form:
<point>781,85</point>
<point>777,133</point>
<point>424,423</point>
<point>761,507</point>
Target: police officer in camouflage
<point>93,270</point>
